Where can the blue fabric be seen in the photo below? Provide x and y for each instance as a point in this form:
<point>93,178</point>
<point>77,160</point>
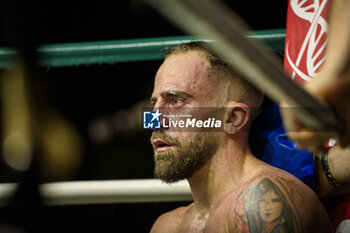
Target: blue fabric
<point>269,142</point>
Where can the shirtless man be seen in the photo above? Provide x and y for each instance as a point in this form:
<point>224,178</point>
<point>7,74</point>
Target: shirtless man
<point>232,190</point>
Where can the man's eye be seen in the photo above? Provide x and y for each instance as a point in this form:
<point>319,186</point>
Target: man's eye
<point>176,102</point>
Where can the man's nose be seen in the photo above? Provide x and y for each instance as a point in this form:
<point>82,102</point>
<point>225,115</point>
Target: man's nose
<point>164,119</point>
<point>160,103</point>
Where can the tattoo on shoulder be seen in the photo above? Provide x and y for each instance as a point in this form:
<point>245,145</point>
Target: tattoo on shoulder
<point>270,208</point>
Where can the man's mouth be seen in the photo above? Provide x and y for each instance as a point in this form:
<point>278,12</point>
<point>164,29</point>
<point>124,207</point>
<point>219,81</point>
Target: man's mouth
<point>161,145</point>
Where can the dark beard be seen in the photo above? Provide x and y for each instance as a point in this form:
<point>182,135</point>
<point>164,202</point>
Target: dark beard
<point>183,160</point>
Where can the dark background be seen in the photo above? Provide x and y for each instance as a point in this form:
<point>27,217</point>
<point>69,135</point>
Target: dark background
<point>85,93</point>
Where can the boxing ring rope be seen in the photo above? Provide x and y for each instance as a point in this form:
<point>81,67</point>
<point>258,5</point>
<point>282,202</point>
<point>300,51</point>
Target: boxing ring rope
<point>105,192</point>
<point>85,53</point>
<point>112,192</point>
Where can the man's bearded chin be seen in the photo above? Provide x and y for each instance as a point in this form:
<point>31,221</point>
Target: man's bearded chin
<point>183,160</point>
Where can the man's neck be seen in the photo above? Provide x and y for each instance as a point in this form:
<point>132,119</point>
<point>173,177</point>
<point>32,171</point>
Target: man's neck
<point>228,168</point>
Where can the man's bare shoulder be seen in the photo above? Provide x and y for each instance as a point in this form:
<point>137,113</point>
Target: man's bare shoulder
<point>276,201</point>
<point>169,221</point>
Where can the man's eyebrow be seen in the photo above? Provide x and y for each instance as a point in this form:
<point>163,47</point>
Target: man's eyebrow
<point>172,93</point>
<point>182,94</point>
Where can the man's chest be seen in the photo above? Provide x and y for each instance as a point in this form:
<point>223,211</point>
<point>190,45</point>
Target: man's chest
<point>228,215</point>
<point>216,222</point>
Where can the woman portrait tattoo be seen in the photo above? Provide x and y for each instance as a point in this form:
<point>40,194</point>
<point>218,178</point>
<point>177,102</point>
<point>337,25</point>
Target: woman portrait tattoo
<point>269,210</point>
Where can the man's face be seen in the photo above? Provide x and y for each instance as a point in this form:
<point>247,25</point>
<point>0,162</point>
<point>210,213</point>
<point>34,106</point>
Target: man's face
<point>182,82</point>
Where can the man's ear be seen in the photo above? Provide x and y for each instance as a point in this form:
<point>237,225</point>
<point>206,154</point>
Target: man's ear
<point>236,117</point>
